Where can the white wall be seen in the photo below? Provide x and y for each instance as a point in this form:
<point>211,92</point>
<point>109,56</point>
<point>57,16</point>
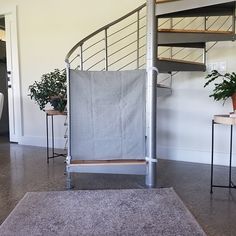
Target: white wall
<point>184,118</point>
<point>47,30</point>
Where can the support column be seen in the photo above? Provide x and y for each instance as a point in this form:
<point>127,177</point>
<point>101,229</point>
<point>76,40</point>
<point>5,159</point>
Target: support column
<point>68,158</point>
<point>151,94</point>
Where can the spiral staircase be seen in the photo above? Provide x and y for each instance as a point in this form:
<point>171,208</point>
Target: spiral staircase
<point>186,31</point>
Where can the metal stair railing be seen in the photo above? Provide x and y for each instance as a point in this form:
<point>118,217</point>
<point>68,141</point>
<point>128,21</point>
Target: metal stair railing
<point>117,46</point>
<point>121,45</point>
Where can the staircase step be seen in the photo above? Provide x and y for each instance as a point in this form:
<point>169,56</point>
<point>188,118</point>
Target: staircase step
<point>225,9</point>
<point>175,36</point>
<point>179,6</point>
<point>166,65</point>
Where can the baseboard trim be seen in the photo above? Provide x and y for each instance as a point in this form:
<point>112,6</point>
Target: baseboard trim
<point>196,156</point>
<point>167,153</point>
<point>41,141</point>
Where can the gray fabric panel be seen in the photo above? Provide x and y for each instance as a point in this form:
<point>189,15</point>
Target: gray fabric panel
<point>107,115</point>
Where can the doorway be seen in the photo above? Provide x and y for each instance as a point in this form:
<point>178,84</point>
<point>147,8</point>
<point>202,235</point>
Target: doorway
<point>4,121</point>
<point>11,79</point>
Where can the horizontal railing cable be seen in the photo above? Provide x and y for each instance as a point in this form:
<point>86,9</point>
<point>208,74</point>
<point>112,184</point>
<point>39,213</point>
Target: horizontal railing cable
<point>96,53</point>
<point>113,63</point>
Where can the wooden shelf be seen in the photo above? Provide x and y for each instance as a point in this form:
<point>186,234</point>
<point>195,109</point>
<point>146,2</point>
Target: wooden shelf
<point>225,120</point>
<point>108,162</point>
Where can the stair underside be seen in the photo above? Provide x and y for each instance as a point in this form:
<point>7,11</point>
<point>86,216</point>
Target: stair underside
<point>173,36</point>
<point>164,1</point>
<point>166,65</point>
<point>184,45</point>
<point>225,9</point>
<point>163,90</point>
<point>184,5</point>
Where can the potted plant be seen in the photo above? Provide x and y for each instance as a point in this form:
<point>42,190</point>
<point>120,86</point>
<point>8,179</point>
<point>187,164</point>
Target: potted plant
<point>51,89</point>
<point>224,89</point>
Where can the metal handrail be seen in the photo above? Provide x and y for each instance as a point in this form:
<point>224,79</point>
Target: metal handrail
<point>101,30</point>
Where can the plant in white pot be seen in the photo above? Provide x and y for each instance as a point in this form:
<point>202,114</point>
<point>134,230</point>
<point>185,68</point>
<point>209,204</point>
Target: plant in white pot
<point>51,89</point>
<point>224,89</point>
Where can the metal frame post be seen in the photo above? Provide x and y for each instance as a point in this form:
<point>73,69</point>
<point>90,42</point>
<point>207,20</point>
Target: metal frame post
<point>81,61</point>
<point>212,152</point>
<point>106,50</point>
<point>138,35</point>
<point>68,158</point>
<point>230,155</point>
<point>151,93</point>
<point>233,21</point>
<point>171,48</point>
<point>47,138</point>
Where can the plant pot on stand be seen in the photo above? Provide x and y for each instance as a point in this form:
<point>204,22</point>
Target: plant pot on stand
<point>234,101</point>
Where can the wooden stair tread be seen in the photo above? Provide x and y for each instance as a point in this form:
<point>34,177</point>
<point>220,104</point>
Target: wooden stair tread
<point>180,61</point>
<point>107,162</point>
<point>194,31</point>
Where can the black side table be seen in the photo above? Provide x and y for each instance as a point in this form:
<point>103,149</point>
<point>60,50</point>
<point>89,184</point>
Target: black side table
<point>223,120</point>
<point>52,113</point>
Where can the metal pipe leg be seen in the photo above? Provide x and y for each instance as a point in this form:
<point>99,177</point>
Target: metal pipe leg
<point>212,153</point>
<point>230,156</point>
<point>68,180</point>
<point>151,93</point>
<point>47,138</point>
<point>53,152</point>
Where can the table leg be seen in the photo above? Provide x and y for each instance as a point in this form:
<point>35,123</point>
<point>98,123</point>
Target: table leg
<point>47,138</point>
<point>212,153</point>
<point>230,156</point>
<point>53,152</point>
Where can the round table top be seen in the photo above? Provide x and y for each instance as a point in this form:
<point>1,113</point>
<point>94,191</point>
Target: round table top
<point>225,119</point>
<point>55,113</point>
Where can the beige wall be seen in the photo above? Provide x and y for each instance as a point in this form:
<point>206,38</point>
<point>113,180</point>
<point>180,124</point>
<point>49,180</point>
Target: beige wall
<point>47,29</point>
<point>184,118</point>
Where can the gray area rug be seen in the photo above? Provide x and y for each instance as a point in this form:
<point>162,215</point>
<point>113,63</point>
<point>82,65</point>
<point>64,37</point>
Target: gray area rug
<point>101,212</point>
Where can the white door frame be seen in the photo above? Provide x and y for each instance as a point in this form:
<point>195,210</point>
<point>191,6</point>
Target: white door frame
<point>14,93</point>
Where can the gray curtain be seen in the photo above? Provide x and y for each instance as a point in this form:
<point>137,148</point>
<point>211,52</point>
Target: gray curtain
<point>107,115</point>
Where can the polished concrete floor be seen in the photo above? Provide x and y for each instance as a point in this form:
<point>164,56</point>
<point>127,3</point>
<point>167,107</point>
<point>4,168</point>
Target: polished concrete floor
<point>24,169</point>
